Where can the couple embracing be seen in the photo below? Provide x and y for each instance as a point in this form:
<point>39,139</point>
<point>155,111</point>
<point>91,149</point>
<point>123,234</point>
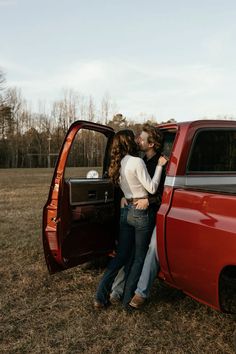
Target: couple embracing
<point>130,274</point>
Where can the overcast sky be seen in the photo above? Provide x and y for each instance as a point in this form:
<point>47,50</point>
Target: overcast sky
<point>172,59</point>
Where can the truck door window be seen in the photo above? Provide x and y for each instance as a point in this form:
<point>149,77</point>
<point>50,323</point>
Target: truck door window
<point>168,141</point>
<point>213,151</point>
<point>86,154</point>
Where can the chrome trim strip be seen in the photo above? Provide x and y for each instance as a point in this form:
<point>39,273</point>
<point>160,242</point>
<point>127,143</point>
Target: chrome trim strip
<point>92,202</point>
<point>188,181</point>
<point>88,180</point>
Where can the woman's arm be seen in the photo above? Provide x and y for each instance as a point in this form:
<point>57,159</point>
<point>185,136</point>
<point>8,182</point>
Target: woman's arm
<point>149,184</point>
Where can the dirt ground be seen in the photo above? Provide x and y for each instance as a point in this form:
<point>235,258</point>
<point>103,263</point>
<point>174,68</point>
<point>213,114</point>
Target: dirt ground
<point>54,314</point>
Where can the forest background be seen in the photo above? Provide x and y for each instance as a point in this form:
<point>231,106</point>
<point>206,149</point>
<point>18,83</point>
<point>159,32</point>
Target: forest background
<point>29,139</point>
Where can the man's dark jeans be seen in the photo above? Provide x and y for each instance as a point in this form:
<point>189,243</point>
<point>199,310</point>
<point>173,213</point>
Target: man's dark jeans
<point>133,240</point>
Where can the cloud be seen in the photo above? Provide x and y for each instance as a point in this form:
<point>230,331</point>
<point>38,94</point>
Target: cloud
<point>119,76</point>
<point>179,92</point>
<point>9,66</point>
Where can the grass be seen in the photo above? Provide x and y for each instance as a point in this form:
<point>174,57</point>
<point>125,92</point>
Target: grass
<point>54,314</point>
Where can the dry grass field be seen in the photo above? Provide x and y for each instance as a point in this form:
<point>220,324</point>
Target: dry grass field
<point>54,314</point>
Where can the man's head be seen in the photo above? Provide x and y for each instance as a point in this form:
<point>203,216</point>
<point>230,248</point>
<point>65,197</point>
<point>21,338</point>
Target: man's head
<point>150,139</point>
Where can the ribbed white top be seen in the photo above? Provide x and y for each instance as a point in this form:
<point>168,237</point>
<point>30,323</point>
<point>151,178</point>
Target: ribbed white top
<point>135,181</point>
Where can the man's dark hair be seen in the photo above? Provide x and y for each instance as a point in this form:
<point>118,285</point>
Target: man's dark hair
<point>155,136</point>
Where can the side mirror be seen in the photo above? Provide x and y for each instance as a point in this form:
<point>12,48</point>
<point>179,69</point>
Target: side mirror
<point>92,174</point>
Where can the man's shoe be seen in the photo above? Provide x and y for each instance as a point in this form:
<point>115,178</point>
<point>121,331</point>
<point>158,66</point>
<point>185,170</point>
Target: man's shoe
<point>98,305</point>
<point>137,301</point>
<point>114,299</point>
<point>129,309</point>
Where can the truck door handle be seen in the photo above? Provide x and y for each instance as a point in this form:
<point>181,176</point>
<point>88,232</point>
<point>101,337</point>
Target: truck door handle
<point>92,194</point>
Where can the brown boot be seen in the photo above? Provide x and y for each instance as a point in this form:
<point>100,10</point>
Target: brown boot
<point>137,301</point>
<point>115,299</point>
<point>98,305</point>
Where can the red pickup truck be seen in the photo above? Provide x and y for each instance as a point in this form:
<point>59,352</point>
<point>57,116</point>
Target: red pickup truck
<point>196,223</point>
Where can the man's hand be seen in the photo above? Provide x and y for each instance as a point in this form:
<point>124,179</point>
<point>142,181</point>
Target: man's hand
<point>142,203</point>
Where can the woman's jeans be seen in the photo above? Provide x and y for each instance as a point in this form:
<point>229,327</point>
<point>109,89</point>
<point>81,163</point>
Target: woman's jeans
<point>133,242</point>
<point>147,277</point>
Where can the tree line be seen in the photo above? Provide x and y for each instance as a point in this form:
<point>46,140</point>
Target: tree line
<point>30,139</point>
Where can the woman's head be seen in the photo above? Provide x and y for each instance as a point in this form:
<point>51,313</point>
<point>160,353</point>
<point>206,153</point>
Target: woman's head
<point>123,144</point>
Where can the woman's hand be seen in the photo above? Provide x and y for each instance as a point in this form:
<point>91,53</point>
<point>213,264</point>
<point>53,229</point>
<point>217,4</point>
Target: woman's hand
<point>162,161</point>
<point>142,203</point>
<point>123,202</point>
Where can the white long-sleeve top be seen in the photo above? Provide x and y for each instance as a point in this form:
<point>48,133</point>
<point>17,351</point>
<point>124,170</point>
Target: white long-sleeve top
<point>135,181</point>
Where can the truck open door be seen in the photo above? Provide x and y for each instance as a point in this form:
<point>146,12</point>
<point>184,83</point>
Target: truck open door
<point>79,215</point>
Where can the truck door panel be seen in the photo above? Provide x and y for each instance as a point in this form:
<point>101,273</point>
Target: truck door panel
<point>91,206</point>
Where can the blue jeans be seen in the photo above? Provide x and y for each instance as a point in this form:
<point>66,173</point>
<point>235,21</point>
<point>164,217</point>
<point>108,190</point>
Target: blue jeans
<point>147,277</point>
<point>133,242</point>
<point>150,269</point>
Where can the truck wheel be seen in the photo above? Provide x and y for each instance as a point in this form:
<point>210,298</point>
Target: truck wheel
<point>227,289</point>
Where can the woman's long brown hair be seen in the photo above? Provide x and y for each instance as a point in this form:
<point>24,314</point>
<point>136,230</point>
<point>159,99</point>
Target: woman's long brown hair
<point>123,144</point>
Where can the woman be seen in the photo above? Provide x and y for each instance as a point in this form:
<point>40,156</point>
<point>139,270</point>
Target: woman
<point>129,171</point>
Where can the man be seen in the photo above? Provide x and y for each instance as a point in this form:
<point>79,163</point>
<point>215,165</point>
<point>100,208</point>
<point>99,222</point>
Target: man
<point>150,142</point>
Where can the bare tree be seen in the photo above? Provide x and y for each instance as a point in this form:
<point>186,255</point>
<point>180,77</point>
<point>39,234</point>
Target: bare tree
<point>105,108</point>
<point>118,122</point>
<point>91,109</point>
<point>64,111</point>
<point>2,81</point>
